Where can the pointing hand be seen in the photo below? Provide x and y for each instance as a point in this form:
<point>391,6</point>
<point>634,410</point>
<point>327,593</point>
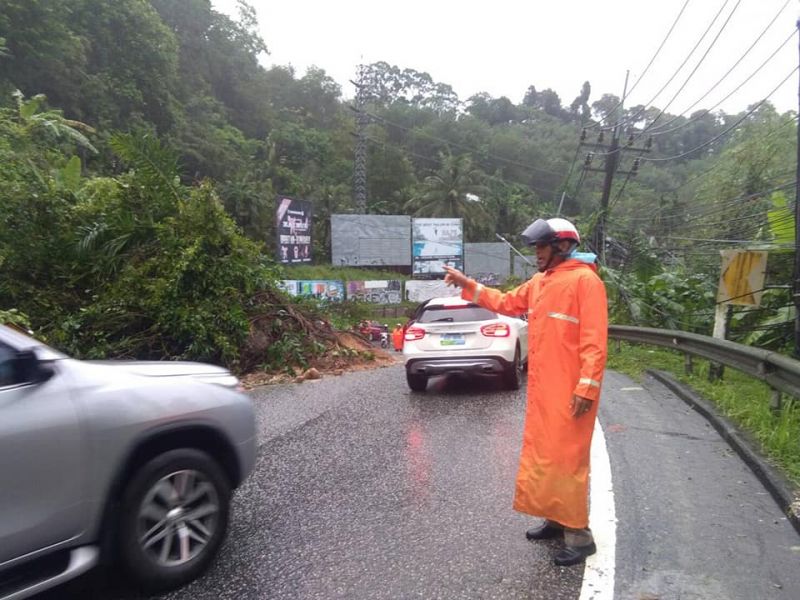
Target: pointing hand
<point>455,277</point>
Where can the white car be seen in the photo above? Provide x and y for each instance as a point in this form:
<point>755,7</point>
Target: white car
<point>451,335</point>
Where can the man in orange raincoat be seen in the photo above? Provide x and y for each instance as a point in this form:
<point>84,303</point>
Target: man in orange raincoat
<point>567,347</point>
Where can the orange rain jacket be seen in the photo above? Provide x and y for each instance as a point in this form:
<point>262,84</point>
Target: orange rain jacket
<point>567,348</point>
<point>398,338</point>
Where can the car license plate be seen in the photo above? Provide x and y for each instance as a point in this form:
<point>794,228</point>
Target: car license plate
<point>452,339</point>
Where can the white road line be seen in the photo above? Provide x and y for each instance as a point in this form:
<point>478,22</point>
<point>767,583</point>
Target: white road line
<point>598,575</point>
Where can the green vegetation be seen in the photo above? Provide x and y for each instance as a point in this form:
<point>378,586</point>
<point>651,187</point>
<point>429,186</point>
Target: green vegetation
<point>741,398</point>
<point>339,273</point>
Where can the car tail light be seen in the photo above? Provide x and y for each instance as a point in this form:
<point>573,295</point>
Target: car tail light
<point>496,330</point>
<point>414,333</point>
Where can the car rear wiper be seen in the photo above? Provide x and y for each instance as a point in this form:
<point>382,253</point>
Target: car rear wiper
<point>445,319</point>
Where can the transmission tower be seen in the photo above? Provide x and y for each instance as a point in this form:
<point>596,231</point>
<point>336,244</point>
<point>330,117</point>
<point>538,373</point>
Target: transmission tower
<point>360,162</point>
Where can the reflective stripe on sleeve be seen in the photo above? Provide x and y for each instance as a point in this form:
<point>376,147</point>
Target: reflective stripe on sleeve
<point>563,317</point>
<point>477,293</point>
<point>588,381</point>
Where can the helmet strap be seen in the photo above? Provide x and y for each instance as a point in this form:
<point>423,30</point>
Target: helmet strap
<point>558,253</point>
<point>567,253</point>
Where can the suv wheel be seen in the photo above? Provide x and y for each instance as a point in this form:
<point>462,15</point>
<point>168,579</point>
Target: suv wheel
<point>174,517</point>
<point>417,383</point>
<point>512,377</point>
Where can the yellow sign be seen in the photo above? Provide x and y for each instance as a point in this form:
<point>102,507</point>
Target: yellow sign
<point>742,277</point>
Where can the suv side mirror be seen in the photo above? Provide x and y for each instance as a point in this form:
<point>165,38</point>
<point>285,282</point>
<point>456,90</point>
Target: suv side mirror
<point>29,369</point>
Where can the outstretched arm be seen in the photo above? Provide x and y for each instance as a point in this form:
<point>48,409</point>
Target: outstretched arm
<point>511,303</point>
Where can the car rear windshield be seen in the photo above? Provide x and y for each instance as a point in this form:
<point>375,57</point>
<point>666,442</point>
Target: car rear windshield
<point>456,314</point>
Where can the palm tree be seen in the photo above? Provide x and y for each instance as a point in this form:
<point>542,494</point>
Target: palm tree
<point>453,191</point>
<point>35,121</point>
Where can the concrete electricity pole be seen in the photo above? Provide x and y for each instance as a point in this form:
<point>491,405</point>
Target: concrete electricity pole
<point>796,281</point>
<point>613,153</point>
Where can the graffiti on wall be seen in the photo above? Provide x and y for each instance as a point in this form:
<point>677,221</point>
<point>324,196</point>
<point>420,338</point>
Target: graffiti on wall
<point>325,290</point>
<point>376,291</point>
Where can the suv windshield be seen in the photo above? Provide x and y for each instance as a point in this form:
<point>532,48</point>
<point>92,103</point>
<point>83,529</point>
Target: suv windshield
<point>456,314</point>
<point>20,341</point>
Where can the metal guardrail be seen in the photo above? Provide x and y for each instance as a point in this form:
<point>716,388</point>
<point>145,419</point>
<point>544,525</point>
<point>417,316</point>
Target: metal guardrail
<point>778,371</point>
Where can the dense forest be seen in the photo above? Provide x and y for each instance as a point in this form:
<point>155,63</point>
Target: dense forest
<point>143,144</point>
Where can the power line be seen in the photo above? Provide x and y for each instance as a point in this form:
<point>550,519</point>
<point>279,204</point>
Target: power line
<point>565,185</point>
<point>697,66</point>
<point>736,64</point>
<point>702,224</point>
<point>622,188</point>
<point>780,325</point>
<point>718,241</point>
<point>647,68</point>
<point>682,212</point>
<point>731,128</point>
<point>749,223</point>
<point>635,117</point>
<point>661,131</point>
<point>720,162</point>
<point>663,110</point>
<point>717,206</point>
<point>580,181</point>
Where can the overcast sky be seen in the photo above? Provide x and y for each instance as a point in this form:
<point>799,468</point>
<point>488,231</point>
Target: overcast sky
<point>503,46</point>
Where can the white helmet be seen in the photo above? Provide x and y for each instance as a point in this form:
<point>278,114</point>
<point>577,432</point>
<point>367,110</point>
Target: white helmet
<point>549,231</point>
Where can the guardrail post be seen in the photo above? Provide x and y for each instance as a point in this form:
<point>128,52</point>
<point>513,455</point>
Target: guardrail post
<point>688,364</point>
<point>618,346</point>
<point>715,371</point>
<point>775,400</point>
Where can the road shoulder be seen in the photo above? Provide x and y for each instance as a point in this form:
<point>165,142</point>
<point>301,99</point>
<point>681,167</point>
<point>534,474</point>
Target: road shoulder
<point>693,520</point>
<point>746,447</point>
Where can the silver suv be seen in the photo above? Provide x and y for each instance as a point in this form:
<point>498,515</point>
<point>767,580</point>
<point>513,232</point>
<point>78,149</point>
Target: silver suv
<point>131,462</point>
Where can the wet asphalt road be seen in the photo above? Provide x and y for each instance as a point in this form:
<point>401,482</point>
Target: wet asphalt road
<point>693,520</point>
<point>364,490</point>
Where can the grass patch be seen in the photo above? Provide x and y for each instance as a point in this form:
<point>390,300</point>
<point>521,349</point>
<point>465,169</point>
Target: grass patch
<point>339,273</point>
<point>741,398</point>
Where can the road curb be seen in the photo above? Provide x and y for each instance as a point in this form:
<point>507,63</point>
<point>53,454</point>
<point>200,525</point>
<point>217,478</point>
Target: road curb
<point>775,483</point>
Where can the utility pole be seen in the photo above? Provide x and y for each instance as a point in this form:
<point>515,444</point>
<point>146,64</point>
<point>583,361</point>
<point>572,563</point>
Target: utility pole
<point>796,282</point>
<point>360,159</point>
<point>612,162</point>
<point>613,154</point>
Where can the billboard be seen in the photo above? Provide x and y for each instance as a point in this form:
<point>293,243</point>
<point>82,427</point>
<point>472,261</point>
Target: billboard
<point>293,226</point>
<point>376,291</point>
<point>488,263</point>
<point>326,290</point>
<point>367,240</point>
<point>289,286</point>
<point>419,291</point>
<point>522,269</point>
<point>436,243</point>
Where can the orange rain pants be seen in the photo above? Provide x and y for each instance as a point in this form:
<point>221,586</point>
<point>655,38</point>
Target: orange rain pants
<point>567,347</point>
